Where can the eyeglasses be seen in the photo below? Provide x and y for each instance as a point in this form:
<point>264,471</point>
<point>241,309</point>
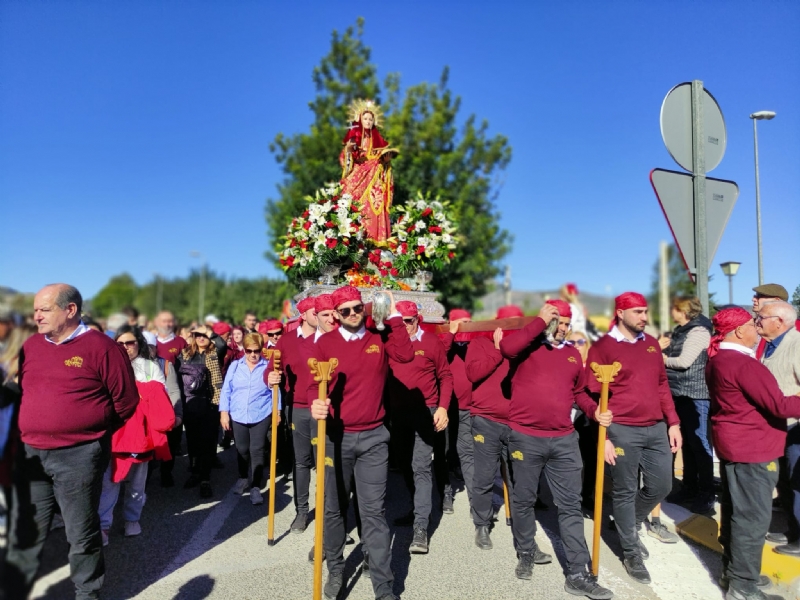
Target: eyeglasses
<point>200,335</point>
<point>273,334</point>
<point>251,351</point>
<point>758,318</point>
<point>357,309</point>
<point>579,342</point>
<point>128,344</point>
<point>409,320</point>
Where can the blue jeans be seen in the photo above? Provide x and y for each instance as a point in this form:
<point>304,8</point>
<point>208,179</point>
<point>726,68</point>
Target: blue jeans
<point>698,458</point>
<point>793,458</point>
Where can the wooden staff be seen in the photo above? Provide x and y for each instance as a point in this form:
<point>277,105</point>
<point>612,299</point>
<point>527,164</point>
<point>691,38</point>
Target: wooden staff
<point>322,372</point>
<point>504,473</point>
<point>509,324</point>
<point>275,357</point>
<point>605,374</point>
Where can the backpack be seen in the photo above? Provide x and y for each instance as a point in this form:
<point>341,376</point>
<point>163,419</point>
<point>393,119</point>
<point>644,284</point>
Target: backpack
<point>196,387</point>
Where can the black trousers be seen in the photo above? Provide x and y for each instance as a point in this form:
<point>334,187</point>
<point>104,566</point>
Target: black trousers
<point>587,442</point>
<point>560,459</point>
<point>72,478</point>
<point>174,441</point>
<point>362,455</point>
<point>698,458</point>
<point>490,446</point>
<point>465,448</point>
<point>746,510</point>
<point>304,434</point>
<point>419,439</point>
<point>201,439</point>
<point>251,440</point>
<point>644,449</point>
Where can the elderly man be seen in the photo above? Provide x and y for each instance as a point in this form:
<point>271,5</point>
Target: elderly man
<point>764,294</point>
<point>748,424</point>
<point>77,387</point>
<point>169,345</point>
<point>775,323</point>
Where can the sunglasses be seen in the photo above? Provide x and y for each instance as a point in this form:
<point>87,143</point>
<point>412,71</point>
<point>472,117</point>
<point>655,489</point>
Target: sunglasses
<point>273,334</point>
<point>409,320</point>
<point>579,342</point>
<point>249,351</point>
<point>129,344</point>
<point>200,335</point>
<point>357,309</point>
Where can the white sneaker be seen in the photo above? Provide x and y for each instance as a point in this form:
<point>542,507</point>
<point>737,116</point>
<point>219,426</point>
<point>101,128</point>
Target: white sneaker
<point>240,487</point>
<point>255,496</point>
<point>132,528</point>
<point>104,536</point>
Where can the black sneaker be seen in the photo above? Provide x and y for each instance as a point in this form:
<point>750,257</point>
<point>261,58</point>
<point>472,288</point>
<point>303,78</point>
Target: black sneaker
<point>643,550</point>
<point>636,569</point>
<point>524,568</point>
<point>333,586</point>
<point>734,594</point>
<point>763,582</point>
<point>447,504</point>
<point>541,558</point>
<point>365,566</point>
<point>205,489</point>
<point>585,584</point>
<point>482,539</point>
<point>300,523</point>
<point>407,520</point>
<point>419,545</point>
<point>388,597</point>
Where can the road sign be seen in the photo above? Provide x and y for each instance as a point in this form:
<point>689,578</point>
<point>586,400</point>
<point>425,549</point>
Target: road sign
<point>676,127</point>
<point>674,191</point>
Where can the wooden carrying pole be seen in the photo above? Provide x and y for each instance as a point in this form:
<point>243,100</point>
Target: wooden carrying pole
<point>275,357</point>
<point>504,473</point>
<point>322,372</point>
<point>605,374</point>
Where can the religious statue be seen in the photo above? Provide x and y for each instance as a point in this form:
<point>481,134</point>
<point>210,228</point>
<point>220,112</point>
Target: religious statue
<point>367,170</point>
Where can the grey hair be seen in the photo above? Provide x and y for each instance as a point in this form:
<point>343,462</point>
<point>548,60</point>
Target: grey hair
<point>784,310</point>
<point>67,294</point>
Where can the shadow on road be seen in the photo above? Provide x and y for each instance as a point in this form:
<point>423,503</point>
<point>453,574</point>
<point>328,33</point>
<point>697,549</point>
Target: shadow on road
<point>196,589</point>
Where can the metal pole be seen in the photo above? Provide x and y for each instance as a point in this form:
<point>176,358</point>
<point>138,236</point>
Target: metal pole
<point>159,294</point>
<point>699,179</point>
<point>730,289</point>
<point>663,298</point>
<point>758,206</point>
<point>201,305</point>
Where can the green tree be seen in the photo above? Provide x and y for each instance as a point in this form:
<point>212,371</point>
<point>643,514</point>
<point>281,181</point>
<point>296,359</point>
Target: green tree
<point>796,298</point>
<point>120,291</point>
<point>460,163</point>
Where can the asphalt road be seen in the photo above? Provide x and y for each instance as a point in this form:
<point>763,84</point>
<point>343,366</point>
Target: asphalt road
<point>194,549</point>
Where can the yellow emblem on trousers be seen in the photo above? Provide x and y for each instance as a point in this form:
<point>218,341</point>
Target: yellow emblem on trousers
<point>619,451</point>
<point>75,361</point>
<point>328,461</point>
<point>479,438</point>
<point>373,349</point>
<point>293,428</point>
<point>772,466</point>
<point>313,441</point>
<point>516,454</point>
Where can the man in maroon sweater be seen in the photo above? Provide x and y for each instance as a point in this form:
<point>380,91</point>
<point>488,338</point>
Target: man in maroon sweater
<point>77,387</point>
<point>748,425</point>
<point>419,393</point>
<point>544,387</point>
<point>639,440</point>
<point>358,442</point>
<point>169,345</point>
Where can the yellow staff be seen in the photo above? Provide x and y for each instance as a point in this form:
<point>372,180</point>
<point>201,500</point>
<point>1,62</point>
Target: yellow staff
<point>504,473</point>
<point>275,357</point>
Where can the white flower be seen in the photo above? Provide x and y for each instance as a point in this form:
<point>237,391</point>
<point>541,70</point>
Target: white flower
<point>421,204</point>
<point>422,241</point>
<point>303,261</point>
<point>420,225</point>
<point>327,206</point>
<point>402,235</point>
<point>447,238</point>
<point>439,216</point>
<point>436,205</point>
<point>330,233</point>
<point>432,242</point>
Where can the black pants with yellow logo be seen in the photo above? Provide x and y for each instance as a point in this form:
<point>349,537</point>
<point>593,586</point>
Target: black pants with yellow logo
<point>560,459</point>
<point>645,450</point>
<point>746,510</point>
<point>490,447</point>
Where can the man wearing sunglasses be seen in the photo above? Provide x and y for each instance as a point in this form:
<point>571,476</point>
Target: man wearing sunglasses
<point>545,385</point>
<point>419,394</point>
<point>357,441</point>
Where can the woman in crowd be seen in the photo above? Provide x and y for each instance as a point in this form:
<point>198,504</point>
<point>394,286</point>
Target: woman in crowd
<point>587,431</point>
<point>202,381</point>
<point>685,357</point>
<point>141,439</point>
<point>245,407</point>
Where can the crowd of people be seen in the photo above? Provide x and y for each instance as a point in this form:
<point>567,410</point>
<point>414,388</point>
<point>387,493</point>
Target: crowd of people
<point>89,411</point>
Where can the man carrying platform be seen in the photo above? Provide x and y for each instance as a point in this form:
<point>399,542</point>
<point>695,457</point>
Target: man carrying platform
<point>357,441</point>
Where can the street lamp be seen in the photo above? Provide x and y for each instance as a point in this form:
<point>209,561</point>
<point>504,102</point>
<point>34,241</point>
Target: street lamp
<point>766,115</point>
<point>202,299</point>
<point>730,269</point>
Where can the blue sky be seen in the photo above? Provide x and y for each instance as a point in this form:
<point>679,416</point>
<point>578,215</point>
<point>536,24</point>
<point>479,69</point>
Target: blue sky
<point>132,133</point>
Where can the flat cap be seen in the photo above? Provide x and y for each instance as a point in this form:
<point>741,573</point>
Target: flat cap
<point>772,290</point>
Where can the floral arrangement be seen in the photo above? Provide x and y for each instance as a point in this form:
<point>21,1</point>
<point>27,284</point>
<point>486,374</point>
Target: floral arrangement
<point>328,232</point>
<point>424,235</point>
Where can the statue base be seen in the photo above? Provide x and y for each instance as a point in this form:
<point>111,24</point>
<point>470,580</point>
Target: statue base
<point>430,309</point>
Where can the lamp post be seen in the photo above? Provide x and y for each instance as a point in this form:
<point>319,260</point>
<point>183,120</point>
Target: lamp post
<point>159,292</point>
<point>762,115</point>
<point>202,293</point>
<point>730,269</point>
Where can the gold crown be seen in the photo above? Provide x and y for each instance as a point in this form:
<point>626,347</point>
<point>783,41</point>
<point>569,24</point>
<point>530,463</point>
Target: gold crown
<point>359,106</point>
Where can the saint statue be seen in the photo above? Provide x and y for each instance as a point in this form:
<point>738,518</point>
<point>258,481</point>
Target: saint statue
<point>367,170</point>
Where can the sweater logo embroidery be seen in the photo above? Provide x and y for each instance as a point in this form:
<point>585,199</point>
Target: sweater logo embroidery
<point>75,361</point>
<point>373,349</point>
<point>517,454</point>
<point>419,353</point>
<point>328,461</point>
<point>173,350</point>
<point>619,451</point>
<point>479,438</point>
<point>651,349</point>
<point>772,466</point>
<point>572,359</point>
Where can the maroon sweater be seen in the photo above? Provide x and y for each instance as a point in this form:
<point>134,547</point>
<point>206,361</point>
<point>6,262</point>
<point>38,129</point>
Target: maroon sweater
<point>426,379</point>
<point>462,386</point>
<point>356,390</point>
<point>295,352</point>
<point>545,385</point>
<point>639,395</point>
<point>490,375</point>
<point>74,392</point>
<point>171,350</point>
<point>748,409</point>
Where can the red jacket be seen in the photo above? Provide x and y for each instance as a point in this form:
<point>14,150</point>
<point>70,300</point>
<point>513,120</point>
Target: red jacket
<point>144,433</point>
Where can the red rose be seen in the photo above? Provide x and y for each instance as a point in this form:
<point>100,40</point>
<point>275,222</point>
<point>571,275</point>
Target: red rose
<point>420,249</point>
<point>307,225</point>
<point>331,243</point>
<point>305,215</point>
<point>293,243</point>
<point>427,212</point>
<point>290,261</point>
<point>410,229</point>
<point>451,255</point>
<point>330,224</point>
<point>393,272</point>
<point>435,229</point>
<point>346,241</point>
<point>303,244</point>
<point>335,198</point>
<point>384,272</point>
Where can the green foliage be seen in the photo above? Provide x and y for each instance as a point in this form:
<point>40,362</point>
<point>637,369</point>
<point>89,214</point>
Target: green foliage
<point>796,298</point>
<point>228,300</point>
<point>459,163</point>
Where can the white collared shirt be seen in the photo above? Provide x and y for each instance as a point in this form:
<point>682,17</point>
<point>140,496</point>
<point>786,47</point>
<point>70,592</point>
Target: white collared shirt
<point>617,335</point>
<point>318,334</point>
<point>738,347</point>
<point>349,337</point>
<point>79,330</point>
<point>165,340</point>
<point>417,337</point>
